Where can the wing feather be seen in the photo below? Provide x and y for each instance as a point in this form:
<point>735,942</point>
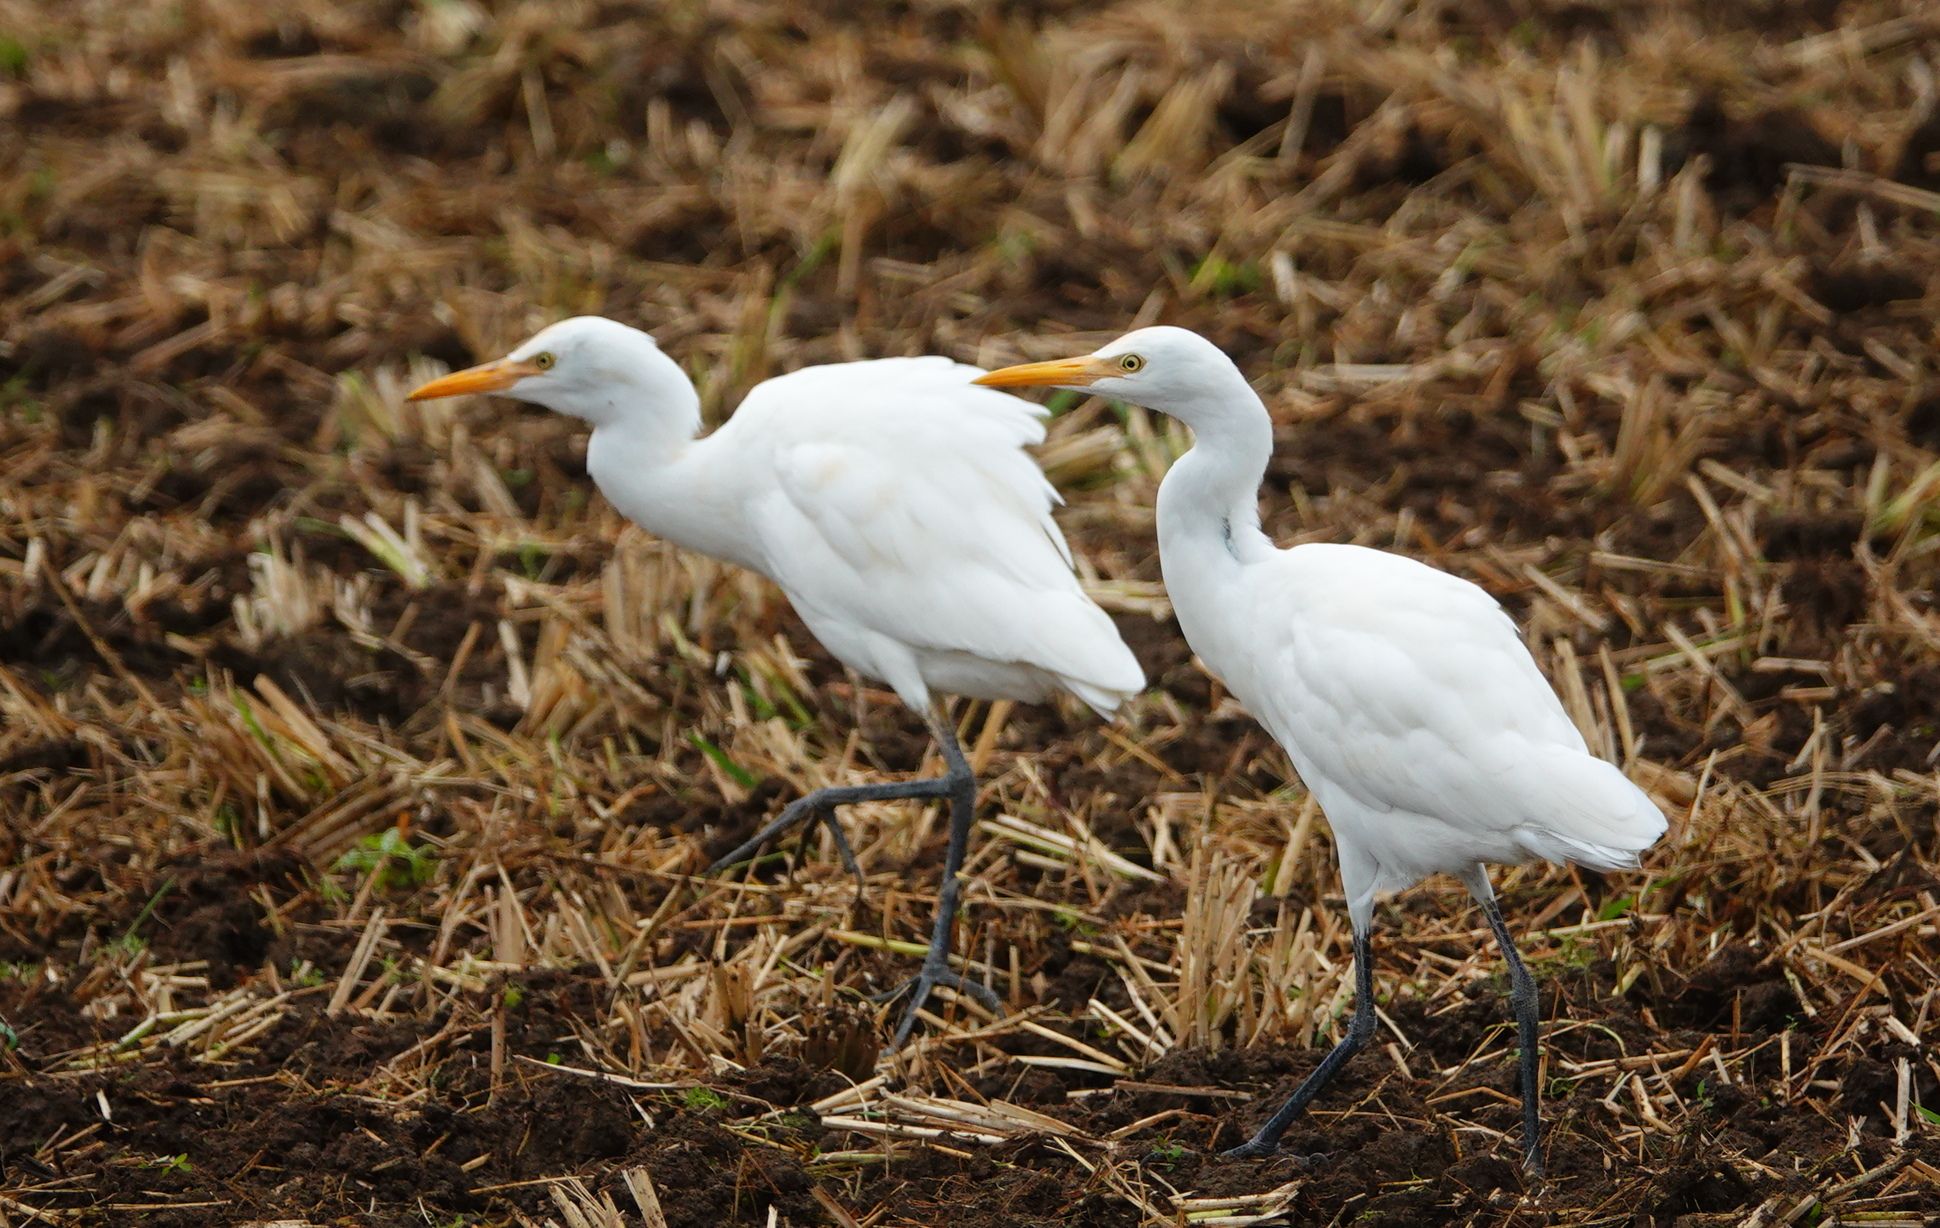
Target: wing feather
<point>905,504</point>
<point>1407,689</point>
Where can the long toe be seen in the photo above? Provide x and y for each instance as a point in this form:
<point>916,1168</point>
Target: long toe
<point>984,995</point>
<point>908,1023</point>
<point>842,847</point>
<point>895,991</point>
<point>928,979</point>
<point>793,816</point>
<point>740,854</point>
<point>919,987</point>
<point>1254,1149</point>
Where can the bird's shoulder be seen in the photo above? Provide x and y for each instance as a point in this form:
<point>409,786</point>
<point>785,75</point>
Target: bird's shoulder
<point>899,498</point>
<point>901,465</point>
<point>1375,591</point>
<point>885,403</point>
<point>1400,688</point>
<point>1373,639</point>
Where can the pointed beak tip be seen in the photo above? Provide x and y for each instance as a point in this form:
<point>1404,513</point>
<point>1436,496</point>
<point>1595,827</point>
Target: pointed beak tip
<point>487,377</point>
<point>1060,373</point>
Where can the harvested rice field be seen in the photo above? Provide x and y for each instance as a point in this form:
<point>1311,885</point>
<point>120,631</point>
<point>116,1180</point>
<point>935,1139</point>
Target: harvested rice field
<point>358,762</point>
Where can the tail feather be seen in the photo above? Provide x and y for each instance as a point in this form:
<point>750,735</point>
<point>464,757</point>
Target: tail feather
<point>1093,662</point>
<point>1594,817</point>
<point>1548,846</point>
<point>1103,699</point>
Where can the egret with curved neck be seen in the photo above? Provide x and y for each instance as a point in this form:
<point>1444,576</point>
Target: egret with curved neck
<point>893,502</point>
<point>1403,695</point>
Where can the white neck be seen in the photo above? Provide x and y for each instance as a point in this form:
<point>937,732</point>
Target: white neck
<point>1209,527</point>
<point>1209,501</point>
<point>647,461</point>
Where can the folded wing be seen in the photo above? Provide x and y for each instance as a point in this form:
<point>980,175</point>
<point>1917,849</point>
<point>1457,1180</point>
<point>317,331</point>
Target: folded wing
<point>1409,690</point>
<point>907,505</point>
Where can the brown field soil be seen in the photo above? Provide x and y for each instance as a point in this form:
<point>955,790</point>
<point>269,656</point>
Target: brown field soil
<point>357,761</point>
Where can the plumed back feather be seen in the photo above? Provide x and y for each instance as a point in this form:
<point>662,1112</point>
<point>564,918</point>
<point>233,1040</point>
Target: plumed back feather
<point>905,503</point>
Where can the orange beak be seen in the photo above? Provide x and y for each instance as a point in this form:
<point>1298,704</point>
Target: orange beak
<point>1061,373</point>
<point>486,377</point>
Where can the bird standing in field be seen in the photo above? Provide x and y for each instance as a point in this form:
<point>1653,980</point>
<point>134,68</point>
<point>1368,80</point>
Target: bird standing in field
<point>1404,695</point>
<point>893,502</point>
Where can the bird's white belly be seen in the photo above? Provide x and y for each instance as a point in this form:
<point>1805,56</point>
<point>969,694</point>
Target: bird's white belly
<point>960,673</point>
<point>1397,848</point>
<point>1413,845</point>
<point>1381,849</point>
<point>915,672</point>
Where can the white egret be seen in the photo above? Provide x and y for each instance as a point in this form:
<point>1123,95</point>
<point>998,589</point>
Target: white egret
<point>893,502</point>
<point>1404,695</point>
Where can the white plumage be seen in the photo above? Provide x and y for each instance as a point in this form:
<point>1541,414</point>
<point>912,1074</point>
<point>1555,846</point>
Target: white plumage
<point>913,533</point>
<point>1409,705</point>
<point>893,502</point>
<point>1404,696</point>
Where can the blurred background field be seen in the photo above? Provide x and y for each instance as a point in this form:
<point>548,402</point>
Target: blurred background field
<point>355,757</point>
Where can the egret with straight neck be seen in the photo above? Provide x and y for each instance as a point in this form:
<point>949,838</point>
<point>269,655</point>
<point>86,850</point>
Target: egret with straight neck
<point>893,502</point>
<point>1403,695</point>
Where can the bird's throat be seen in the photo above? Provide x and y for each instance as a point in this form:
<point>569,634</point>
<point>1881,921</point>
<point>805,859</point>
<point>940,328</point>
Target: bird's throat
<point>1210,499</point>
<point>675,489</point>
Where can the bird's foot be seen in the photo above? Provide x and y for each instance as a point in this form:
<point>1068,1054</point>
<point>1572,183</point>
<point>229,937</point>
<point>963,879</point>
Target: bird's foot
<point>1532,1166</point>
<point>935,972</point>
<point>801,811</point>
<point>1251,1149</point>
<point>1256,1148</point>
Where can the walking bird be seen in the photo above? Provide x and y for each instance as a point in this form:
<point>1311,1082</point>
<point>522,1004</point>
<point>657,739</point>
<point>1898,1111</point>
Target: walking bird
<point>1403,695</point>
<point>893,502</point>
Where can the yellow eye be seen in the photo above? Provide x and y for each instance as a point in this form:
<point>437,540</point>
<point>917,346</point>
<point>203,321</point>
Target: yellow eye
<point>544,360</point>
<point>1131,363</point>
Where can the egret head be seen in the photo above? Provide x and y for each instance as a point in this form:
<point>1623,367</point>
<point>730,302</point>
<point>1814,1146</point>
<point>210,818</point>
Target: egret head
<point>589,367</point>
<point>1172,370</point>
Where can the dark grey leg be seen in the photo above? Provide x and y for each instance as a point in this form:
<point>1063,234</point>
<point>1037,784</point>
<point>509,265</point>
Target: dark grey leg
<point>1359,1030</point>
<point>959,785</point>
<point>819,807</point>
<point>1522,995</point>
<point>962,787</point>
